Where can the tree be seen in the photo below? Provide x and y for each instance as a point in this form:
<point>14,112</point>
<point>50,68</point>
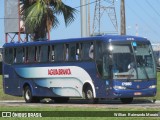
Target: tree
<point>40,16</point>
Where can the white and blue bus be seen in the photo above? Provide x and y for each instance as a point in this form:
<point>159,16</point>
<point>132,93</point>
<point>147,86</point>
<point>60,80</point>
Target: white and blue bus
<point>100,67</point>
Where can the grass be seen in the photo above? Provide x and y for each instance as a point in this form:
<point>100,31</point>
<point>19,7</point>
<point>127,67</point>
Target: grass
<point>158,86</point>
<point>8,97</point>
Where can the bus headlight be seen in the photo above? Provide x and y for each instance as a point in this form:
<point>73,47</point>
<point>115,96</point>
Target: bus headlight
<point>152,86</point>
<point>119,87</point>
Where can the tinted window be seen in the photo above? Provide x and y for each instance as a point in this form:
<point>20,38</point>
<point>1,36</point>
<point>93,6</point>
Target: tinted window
<point>72,52</point>
<point>59,52</point>
<point>87,51</point>
<point>31,54</point>
<point>9,55</point>
<point>44,56</point>
<point>19,55</point>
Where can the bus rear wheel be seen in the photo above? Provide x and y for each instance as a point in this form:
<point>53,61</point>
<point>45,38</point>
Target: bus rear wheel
<point>126,100</point>
<point>28,96</point>
<point>89,95</point>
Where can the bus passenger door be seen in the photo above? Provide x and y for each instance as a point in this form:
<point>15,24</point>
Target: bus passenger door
<point>107,66</point>
<point>103,61</point>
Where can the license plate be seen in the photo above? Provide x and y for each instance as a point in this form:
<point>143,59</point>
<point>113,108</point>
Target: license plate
<point>137,93</point>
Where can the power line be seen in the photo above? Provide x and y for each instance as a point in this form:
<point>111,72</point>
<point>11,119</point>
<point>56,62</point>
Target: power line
<point>87,4</point>
<point>158,1</point>
<point>153,8</point>
<point>141,18</point>
<point>155,22</point>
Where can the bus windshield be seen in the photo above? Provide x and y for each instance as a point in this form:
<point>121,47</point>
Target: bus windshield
<point>131,60</point>
<point>145,61</point>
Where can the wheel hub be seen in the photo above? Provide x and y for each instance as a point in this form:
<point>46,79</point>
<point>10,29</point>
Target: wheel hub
<point>27,95</point>
<point>89,94</point>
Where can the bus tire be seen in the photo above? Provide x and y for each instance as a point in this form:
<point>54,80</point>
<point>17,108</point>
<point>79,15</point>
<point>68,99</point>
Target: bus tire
<point>28,96</point>
<point>89,95</point>
<point>126,100</point>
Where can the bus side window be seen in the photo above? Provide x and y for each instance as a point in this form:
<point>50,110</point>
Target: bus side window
<point>87,51</point>
<point>66,52</point>
<point>44,54</point>
<point>19,55</point>
<point>31,54</point>
<point>14,52</point>
<point>9,55</point>
<point>72,52</point>
<point>26,55</point>
<point>37,52</point>
<point>52,53</point>
<point>91,51</point>
<point>59,52</point>
<point>78,51</point>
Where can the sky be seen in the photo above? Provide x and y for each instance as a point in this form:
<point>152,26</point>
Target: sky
<point>142,19</point>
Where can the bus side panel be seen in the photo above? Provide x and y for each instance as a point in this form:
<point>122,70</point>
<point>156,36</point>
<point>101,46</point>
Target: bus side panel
<point>36,90</point>
<point>99,84</point>
<point>16,88</point>
<point>10,81</point>
<point>45,85</point>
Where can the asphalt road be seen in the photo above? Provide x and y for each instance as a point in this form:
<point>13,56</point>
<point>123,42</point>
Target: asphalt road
<point>140,103</point>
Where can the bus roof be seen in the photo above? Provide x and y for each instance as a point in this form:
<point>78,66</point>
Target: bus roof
<point>99,38</point>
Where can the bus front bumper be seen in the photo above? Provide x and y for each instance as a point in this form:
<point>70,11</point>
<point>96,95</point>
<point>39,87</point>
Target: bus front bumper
<point>133,93</point>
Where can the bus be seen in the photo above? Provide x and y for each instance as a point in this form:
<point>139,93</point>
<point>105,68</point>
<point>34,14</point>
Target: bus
<point>93,68</point>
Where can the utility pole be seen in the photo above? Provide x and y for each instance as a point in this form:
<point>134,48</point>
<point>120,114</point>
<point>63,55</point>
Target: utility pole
<point>89,18</point>
<point>123,18</point>
<point>83,18</point>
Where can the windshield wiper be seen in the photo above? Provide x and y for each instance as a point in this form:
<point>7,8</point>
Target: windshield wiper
<point>130,73</point>
<point>145,72</point>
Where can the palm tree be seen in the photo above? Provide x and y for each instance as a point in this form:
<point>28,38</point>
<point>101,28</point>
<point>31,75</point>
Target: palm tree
<point>40,16</point>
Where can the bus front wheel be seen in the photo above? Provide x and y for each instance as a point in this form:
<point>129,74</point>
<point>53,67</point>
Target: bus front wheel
<point>28,96</point>
<point>89,95</point>
<point>126,100</point>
